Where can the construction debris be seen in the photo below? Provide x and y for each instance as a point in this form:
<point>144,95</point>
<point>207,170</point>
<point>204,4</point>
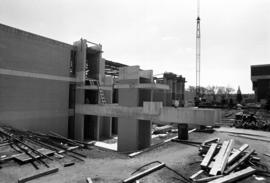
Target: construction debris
<point>32,147</point>
<point>151,170</point>
<point>162,129</point>
<point>222,162</point>
<point>35,176</point>
<point>144,173</point>
<point>251,120</point>
<point>235,176</point>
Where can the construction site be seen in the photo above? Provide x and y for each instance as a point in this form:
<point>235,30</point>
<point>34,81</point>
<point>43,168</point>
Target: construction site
<point>67,114</point>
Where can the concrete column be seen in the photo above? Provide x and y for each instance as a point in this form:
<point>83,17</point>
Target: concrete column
<point>79,127</point>
<point>127,135</point>
<point>133,134</point>
<point>80,94</point>
<point>183,131</point>
<point>144,134</point>
<point>128,127</point>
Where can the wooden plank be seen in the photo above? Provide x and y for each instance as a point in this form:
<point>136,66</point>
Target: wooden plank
<point>216,166</point>
<point>237,163</point>
<point>226,155</point>
<point>237,153</point>
<point>35,176</point>
<point>207,179</point>
<point>144,173</point>
<point>209,155</point>
<point>89,180</point>
<point>235,176</point>
<point>131,155</point>
<point>196,174</point>
<point>266,154</point>
<point>211,164</point>
<point>25,158</point>
<point>265,139</point>
<point>214,140</point>
<point>6,158</point>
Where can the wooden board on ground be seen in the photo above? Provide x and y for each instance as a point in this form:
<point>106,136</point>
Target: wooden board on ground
<point>237,163</point>
<point>196,174</point>
<point>222,158</point>
<point>35,176</point>
<point>209,155</point>
<point>235,176</point>
<point>24,158</point>
<point>237,153</point>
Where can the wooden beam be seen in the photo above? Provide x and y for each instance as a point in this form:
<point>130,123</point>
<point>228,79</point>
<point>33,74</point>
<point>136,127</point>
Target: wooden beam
<point>207,179</point>
<point>221,158</point>
<point>240,161</point>
<point>237,153</point>
<point>196,174</point>
<point>226,156</point>
<point>209,155</point>
<point>35,176</point>
<point>144,173</point>
<point>265,139</point>
<point>214,140</point>
<point>235,176</point>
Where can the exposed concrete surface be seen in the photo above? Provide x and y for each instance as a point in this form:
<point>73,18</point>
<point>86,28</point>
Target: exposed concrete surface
<point>167,114</point>
<point>31,102</point>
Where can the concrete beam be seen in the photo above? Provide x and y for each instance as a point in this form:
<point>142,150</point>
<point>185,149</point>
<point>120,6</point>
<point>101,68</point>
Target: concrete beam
<point>94,87</point>
<point>166,114</point>
<point>143,86</point>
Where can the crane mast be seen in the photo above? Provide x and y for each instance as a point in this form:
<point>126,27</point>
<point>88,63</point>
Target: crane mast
<point>198,53</point>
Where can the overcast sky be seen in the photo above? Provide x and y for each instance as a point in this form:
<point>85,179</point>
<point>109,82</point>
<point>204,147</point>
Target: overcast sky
<point>158,34</point>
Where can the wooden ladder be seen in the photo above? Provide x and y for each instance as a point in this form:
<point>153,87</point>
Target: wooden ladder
<point>100,91</point>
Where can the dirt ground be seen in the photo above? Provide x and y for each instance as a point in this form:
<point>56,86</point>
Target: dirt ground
<point>107,166</point>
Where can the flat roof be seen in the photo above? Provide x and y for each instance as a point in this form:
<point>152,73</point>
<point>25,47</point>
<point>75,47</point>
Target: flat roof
<point>25,33</point>
<point>262,65</point>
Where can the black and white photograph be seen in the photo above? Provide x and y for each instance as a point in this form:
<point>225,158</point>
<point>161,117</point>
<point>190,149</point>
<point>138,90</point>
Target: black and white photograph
<point>134,91</point>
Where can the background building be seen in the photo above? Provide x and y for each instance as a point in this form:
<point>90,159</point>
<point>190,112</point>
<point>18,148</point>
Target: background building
<point>260,77</point>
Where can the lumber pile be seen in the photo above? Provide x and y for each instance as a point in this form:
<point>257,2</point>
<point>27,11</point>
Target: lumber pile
<point>250,120</point>
<point>35,148</point>
<point>222,162</point>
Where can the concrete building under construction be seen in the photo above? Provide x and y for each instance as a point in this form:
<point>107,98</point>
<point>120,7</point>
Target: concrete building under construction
<point>48,85</point>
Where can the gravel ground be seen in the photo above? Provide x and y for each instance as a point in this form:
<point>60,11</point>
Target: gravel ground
<point>107,166</point>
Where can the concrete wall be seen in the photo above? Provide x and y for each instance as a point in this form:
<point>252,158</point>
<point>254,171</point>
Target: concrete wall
<point>33,102</point>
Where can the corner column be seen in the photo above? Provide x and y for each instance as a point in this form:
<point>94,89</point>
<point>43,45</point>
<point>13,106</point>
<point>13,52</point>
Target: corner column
<point>80,80</point>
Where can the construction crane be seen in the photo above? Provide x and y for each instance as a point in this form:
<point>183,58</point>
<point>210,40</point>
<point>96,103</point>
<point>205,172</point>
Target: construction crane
<point>198,56</point>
